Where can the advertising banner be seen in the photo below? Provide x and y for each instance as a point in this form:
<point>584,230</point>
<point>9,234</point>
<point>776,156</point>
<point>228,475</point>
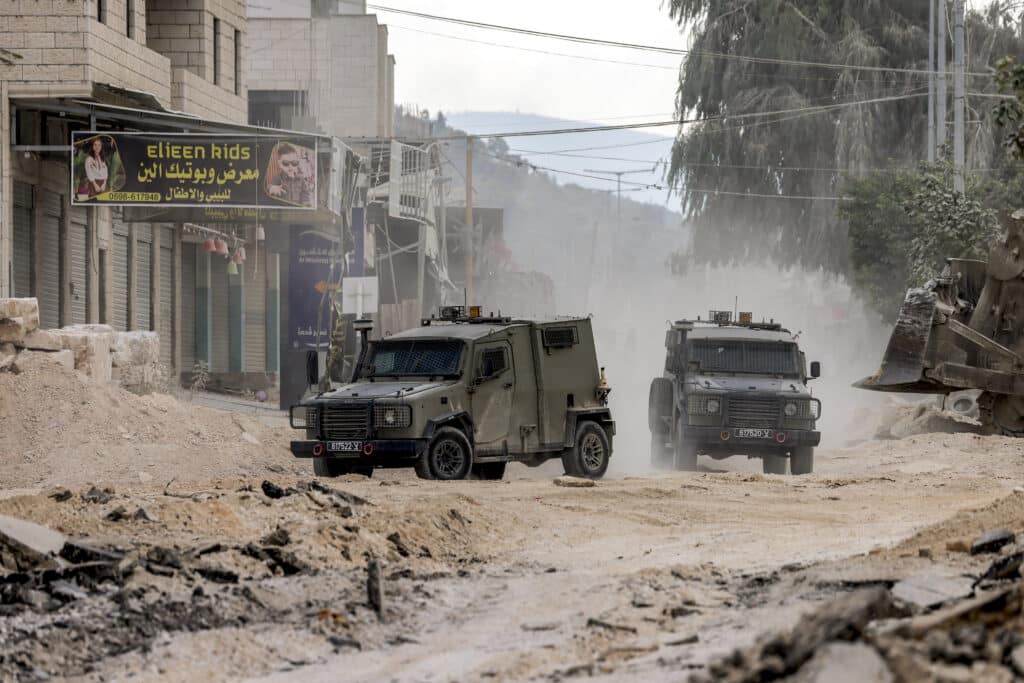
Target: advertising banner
<point>193,170</point>
<point>314,264</point>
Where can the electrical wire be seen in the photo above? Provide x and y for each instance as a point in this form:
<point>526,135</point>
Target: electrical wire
<point>657,48</point>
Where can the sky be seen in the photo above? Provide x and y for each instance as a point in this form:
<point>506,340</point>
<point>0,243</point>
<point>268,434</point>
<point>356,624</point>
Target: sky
<point>451,74</point>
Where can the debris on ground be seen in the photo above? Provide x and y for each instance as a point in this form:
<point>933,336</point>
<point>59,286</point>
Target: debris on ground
<point>574,482</point>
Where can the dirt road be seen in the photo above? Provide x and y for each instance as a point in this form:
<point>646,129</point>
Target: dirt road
<point>634,579</point>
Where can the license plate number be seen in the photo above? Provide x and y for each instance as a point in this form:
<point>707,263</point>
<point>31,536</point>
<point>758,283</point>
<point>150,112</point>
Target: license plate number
<point>755,433</point>
<point>345,446</point>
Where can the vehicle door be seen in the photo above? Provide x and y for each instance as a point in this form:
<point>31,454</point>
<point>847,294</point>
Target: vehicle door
<point>493,389</point>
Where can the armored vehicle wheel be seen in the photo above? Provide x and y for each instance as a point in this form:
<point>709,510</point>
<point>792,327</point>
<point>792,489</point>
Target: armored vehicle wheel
<point>661,454</point>
<point>589,456</point>
<point>773,464</point>
<point>449,456</point>
<point>802,460</point>
<point>489,471</point>
<point>332,467</point>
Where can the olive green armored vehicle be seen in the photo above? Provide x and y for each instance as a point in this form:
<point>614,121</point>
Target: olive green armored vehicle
<point>462,396</point>
<point>734,388</point>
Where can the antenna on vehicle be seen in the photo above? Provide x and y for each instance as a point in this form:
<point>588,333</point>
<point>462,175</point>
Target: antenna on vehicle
<point>736,309</point>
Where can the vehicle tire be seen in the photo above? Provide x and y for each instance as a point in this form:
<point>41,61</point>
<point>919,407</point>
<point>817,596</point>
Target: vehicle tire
<point>489,471</point>
<point>449,455</point>
<point>802,460</point>
<point>590,452</point>
<point>332,467</point>
<point>773,464</point>
<point>659,405</point>
<point>661,454</point>
<point>685,456</point>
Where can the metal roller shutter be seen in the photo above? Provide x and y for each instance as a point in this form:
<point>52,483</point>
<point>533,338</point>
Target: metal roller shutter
<point>219,328</point>
<point>77,288</point>
<point>166,330</point>
<point>119,283</point>
<point>49,266</point>
<point>188,306</point>
<point>255,270</point>
<point>22,260</point>
<point>144,277</point>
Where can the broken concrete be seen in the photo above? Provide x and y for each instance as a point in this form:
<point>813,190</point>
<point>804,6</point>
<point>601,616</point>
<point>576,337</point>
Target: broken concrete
<point>845,663</point>
<point>135,348</point>
<point>26,545</point>
<point>992,541</point>
<point>574,482</point>
<point>931,588</point>
<point>7,355</point>
<point>13,331</point>
<point>42,340</point>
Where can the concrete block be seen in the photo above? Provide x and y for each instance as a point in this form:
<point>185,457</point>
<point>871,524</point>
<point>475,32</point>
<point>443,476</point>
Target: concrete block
<point>96,363</point>
<point>26,309</point>
<point>12,330</point>
<point>43,340</point>
<point>135,348</point>
<point>7,355</point>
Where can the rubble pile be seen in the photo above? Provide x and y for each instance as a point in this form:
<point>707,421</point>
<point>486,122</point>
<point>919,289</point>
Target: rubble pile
<point>130,359</point>
<point>337,567</point>
<point>938,625</point>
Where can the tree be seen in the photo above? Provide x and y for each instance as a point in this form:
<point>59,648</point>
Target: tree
<point>834,123</point>
<point>904,223</point>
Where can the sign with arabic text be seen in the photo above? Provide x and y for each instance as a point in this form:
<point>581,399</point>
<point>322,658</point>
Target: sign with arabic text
<point>192,170</point>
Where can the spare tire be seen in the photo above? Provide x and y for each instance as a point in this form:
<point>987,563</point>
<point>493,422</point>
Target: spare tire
<point>659,406</point>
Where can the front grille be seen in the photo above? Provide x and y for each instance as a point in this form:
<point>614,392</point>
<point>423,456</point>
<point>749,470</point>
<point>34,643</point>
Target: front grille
<point>346,421</point>
<point>754,412</point>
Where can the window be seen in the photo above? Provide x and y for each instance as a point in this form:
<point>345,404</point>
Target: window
<point>413,357</point>
<point>216,51</point>
<point>560,337</point>
<point>493,362</point>
<point>238,62</point>
<point>101,11</point>
<point>774,358</point>
<point>129,18</point>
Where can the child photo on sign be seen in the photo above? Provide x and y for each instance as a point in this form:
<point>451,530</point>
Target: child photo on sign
<point>98,168</point>
<point>289,177</point>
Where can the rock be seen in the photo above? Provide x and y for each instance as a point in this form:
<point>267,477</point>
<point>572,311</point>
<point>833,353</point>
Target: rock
<point>118,514</point>
<point>143,515</point>
<point>67,591</point>
<point>278,537</point>
<point>80,552</point>
<point>145,477</point>
<point>396,540</point>
<point>164,557</point>
<point>43,340</point>
<point>925,553</point>
<point>931,588</point>
<point>12,331</point>
<point>95,495</point>
<point>7,355</point>
<point>957,546</point>
<point>61,496</point>
<point>246,436</point>
<point>838,662</point>
<point>26,309</point>
<point>1007,567</point>
<point>272,490</point>
<point>29,545</point>
<point>216,574</point>
<point>574,482</point>
<point>992,541</point>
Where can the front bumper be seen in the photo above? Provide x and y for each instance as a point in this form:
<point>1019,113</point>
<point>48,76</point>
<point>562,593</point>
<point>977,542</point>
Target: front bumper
<point>377,452</point>
<point>781,439</point>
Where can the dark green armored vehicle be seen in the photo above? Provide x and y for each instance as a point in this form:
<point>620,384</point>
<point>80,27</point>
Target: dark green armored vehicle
<point>734,388</point>
<point>463,395</point>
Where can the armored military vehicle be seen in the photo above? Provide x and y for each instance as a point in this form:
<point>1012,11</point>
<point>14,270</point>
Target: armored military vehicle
<point>463,395</point>
<point>733,388</point>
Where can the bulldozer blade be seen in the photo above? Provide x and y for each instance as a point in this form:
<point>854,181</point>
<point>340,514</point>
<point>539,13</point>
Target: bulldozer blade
<point>903,364</point>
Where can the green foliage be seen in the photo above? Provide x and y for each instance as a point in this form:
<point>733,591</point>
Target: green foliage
<point>902,224</point>
<point>808,154</point>
<point>1009,113</point>
<point>200,376</point>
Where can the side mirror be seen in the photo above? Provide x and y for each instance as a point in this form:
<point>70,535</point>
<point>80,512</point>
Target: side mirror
<point>815,369</point>
<point>312,368</point>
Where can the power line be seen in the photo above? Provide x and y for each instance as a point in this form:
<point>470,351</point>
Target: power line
<point>653,48</point>
<point>679,122</point>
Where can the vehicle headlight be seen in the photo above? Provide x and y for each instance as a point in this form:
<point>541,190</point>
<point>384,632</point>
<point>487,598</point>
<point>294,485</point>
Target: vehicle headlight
<point>791,409</point>
<point>392,417</point>
<point>714,405</point>
<point>303,417</point>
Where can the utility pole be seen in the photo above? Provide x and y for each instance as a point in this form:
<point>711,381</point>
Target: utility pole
<point>940,109</point>
<point>959,96</point>
<point>931,81</point>
<point>469,221</point>
<point>618,178</point>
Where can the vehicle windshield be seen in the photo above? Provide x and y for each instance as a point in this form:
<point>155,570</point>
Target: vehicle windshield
<point>748,357</point>
<point>413,357</point>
